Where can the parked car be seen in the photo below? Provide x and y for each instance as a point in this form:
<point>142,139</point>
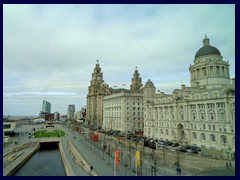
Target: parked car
<point>196,148</point>
<point>194,151</point>
<point>183,150</point>
<point>7,140</point>
<point>175,145</point>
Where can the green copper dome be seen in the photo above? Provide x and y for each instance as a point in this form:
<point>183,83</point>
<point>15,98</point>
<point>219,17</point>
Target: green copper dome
<point>207,49</point>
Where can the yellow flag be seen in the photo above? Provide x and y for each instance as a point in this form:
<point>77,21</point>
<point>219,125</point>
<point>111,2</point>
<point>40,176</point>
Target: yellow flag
<point>138,158</point>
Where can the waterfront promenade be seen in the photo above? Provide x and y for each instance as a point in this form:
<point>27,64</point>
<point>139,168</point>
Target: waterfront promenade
<point>92,156</point>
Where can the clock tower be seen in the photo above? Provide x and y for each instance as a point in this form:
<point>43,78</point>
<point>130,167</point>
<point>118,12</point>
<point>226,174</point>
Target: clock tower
<point>136,82</point>
<point>97,80</point>
<point>96,92</point>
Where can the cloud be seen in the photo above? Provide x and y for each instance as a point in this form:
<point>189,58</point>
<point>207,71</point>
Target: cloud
<point>52,49</point>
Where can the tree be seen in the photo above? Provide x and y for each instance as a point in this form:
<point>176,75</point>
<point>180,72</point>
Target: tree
<point>130,153</point>
<point>155,158</point>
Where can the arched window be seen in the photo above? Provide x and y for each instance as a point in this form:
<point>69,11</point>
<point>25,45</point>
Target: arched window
<point>161,131</point>
<point>193,115</point>
<point>221,115</point>
<point>203,136</point>
<point>212,137</point>
<point>223,139</point>
<point>166,132</point>
<point>181,115</point>
<point>194,135</point>
<point>173,133</point>
<point>202,115</point>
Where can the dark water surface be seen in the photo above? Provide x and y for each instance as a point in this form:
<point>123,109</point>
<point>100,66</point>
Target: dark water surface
<point>43,163</point>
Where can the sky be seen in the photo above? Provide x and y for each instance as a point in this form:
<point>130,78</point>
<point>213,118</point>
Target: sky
<point>50,51</point>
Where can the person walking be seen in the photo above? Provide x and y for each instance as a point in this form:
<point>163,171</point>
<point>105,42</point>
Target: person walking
<point>227,165</point>
<point>91,168</point>
<point>230,164</point>
<point>179,170</point>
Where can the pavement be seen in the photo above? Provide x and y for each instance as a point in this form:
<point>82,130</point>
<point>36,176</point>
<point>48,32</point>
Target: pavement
<point>102,163</point>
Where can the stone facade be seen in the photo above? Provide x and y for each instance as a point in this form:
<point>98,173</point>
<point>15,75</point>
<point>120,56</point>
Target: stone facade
<point>203,114</point>
<point>96,91</point>
<point>99,90</point>
<point>123,111</point>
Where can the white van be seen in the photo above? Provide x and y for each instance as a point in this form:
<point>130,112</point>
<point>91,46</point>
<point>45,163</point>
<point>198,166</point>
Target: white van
<point>7,140</point>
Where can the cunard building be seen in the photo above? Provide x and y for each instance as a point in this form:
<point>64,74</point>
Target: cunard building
<point>124,110</point>
<point>98,89</point>
<point>202,114</point>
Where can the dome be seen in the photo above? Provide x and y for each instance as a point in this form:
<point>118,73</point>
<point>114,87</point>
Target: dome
<point>207,49</point>
<point>149,83</point>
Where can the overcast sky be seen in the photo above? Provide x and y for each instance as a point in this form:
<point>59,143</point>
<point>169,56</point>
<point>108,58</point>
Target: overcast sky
<point>50,51</point>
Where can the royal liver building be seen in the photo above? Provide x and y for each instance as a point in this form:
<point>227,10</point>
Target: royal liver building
<point>203,114</point>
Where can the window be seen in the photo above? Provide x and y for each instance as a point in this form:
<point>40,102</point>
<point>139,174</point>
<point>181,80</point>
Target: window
<point>194,135</point>
<point>166,132</point>
<point>220,105</point>
<point>213,127</point>
<point>212,137</point>
<point>212,116</point>
<point>203,136</point>
<point>193,115</point>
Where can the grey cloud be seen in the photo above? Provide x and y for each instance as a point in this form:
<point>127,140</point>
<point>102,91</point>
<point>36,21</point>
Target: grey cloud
<point>53,48</point>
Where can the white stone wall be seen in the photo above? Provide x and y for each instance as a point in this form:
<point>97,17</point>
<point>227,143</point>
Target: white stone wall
<point>123,111</point>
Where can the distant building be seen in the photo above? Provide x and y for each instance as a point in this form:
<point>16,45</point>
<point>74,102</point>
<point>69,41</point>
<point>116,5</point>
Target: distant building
<point>203,114</point>
<point>56,116</point>
<point>46,107</point>
<point>71,111</point>
<point>46,110</point>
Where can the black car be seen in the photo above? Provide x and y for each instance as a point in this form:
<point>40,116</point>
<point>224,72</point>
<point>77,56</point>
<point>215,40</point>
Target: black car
<point>175,145</point>
<point>195,148</point>
<point>183,150</point>
<point>194,151</point>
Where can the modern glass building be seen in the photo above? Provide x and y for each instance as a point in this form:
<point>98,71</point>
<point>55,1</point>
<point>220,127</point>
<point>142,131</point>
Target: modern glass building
<point>46,107</point>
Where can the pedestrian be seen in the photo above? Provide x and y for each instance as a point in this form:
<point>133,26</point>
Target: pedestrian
<point>230,164</point>
<point>179,170</point>
<point>91,168</point>
<point>227,165</point>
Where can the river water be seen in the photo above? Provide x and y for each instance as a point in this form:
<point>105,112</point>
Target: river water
<point>43,163</point>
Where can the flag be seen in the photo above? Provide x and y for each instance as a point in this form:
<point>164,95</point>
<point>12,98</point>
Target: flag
<point>116,157</point>
<point>138,158</point>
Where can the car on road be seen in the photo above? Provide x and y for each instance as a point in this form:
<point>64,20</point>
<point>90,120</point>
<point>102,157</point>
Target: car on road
<point>194,151</point>
<point>195,148</point>
<point>175,145</point>
<point>7,140</point>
